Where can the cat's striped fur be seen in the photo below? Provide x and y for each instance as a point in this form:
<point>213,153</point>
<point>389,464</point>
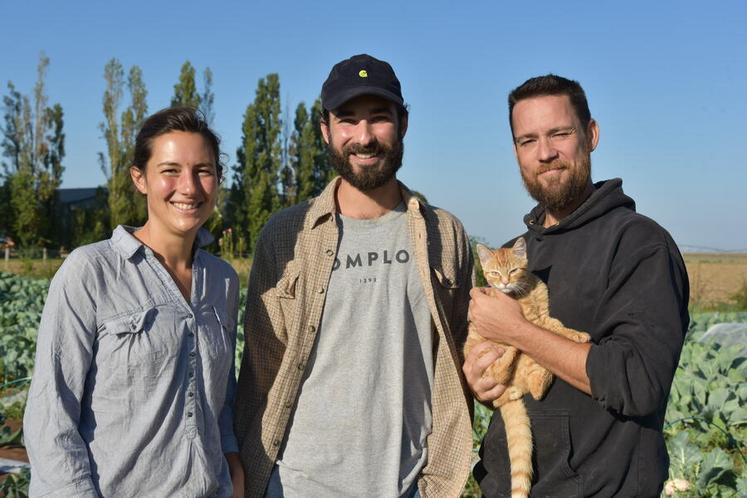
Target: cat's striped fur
<point>506,271</point>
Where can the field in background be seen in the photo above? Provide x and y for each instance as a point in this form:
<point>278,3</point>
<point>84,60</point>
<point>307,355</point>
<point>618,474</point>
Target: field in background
<point>715,278</point>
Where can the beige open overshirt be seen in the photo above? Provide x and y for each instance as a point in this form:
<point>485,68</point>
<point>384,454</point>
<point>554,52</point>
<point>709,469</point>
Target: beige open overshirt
<point>291,270</point>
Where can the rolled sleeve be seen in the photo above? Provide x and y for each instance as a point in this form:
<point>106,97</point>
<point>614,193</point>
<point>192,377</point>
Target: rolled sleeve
<point>642,320</point>
<point>59,457</point>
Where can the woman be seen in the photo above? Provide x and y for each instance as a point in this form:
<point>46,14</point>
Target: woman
<point>134,375</point>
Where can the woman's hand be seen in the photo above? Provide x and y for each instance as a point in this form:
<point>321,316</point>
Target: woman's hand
<point>237,474</point>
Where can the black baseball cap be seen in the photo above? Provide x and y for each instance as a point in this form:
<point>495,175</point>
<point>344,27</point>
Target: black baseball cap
<point>360,75</point>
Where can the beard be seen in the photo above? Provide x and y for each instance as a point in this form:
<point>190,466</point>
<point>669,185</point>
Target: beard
<point>368,178</point>
<point>558,196</point>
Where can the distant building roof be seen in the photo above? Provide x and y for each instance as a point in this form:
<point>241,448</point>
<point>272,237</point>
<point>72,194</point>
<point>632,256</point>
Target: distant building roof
<point>76,195</point>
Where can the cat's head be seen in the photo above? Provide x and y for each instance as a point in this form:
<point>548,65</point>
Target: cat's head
<point>506,269</point>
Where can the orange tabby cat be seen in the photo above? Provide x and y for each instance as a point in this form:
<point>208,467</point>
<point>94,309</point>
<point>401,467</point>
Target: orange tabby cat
<point>506,271</point>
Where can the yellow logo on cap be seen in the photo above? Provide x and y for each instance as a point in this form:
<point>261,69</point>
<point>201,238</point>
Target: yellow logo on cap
<point>363,73</point>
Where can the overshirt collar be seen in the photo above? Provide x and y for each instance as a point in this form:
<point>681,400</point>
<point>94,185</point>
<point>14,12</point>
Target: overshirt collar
<point>128,245</point>
<point>324,205</point>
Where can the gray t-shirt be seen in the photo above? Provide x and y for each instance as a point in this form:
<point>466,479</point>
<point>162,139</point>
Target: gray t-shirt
<point>364,410</point>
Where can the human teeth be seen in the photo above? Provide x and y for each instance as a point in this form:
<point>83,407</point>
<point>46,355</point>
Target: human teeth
<point>185,206</point>
<point>365,156</point>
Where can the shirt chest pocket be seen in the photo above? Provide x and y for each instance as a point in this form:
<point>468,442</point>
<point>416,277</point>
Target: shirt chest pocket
<point>286,291</point>
<point>138,346</point>
<point>216,339</point>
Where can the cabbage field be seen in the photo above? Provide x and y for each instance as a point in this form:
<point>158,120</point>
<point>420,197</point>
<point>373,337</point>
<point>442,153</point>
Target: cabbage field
<point>706,426</point>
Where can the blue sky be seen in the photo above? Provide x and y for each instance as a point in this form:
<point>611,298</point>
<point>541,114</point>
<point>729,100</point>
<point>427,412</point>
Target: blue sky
<point>665,80</point>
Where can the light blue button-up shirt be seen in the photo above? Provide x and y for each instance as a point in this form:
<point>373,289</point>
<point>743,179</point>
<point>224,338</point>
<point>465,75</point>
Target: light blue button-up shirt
<point>133,385</point>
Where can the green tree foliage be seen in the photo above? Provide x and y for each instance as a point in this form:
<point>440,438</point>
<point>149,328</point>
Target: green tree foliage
<point>34,147</point>
<point>254,191</point>
<point>308,152</point>
<point>187,94</point>
<point>126,206</point>
<point>185,91</point>
<point>207,97</point>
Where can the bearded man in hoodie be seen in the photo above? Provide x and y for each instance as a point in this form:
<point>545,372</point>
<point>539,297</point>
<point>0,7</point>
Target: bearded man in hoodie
<point>610,272</point>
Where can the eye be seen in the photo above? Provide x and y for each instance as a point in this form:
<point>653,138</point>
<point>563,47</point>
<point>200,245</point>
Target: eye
<point>206,172</point>
<point>562,134</point>
<point>512,271</point>
<point>524,142</point>
<point>381,118</point>
<point>170,171</point>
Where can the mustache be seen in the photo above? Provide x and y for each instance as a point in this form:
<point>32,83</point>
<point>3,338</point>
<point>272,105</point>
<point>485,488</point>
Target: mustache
<point>374,148</point>
<point>557,164</point>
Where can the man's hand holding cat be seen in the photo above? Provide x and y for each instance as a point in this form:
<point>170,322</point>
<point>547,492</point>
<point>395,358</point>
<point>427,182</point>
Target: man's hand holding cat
<point>477,361</point>
<point>497,317</point>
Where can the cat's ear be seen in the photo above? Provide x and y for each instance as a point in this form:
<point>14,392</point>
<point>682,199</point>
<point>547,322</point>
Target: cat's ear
<point>520,248</point>
<point>484,254</point>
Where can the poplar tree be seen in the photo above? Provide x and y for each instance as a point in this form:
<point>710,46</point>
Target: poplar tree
<point>34,147</point>
<point>185,90</point>
<point>302,154</point>
<point>254,192</point>
<point>126,205</point>
<point>207,97</point>
<point>323,171</point>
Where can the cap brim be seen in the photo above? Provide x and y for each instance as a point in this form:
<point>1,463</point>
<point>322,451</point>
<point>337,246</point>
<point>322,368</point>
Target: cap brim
<point>351,93</point>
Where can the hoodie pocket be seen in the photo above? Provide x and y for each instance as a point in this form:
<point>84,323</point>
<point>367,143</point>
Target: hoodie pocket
<point>552,453</point>
<point>553,475</point>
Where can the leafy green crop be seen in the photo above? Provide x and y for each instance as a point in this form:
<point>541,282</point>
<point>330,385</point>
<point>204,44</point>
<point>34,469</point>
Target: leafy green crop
<point>706,423</point>
<point>21,304</point>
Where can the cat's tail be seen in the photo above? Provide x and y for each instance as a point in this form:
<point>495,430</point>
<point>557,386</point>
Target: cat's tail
<point>519,439</point>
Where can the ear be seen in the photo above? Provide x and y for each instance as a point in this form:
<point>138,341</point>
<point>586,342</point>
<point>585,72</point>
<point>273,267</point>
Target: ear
<point>484,254</point>
<point>138,178</point>
<point>324,126</point>
<point>403,126</point>
<point>520,248</point>
<point>592,134</point>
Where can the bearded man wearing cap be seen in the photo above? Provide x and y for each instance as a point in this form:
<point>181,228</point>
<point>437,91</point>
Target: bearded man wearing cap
<point>356,311</point>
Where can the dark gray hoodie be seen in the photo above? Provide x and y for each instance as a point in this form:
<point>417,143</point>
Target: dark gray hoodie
<point>618,276</point>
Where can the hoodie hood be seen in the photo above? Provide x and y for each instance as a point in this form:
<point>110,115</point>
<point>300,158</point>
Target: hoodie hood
<point>607,195</point>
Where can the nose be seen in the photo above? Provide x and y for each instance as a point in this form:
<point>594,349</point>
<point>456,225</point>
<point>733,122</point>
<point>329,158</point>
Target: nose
<point>363,133</point>
<point>188,182</point>
<point>545,150</point>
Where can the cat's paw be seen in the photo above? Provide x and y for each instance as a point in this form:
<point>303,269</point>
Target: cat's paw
<point>514,393</point>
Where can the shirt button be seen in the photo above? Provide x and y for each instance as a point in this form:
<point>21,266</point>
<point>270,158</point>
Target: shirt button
<point>191,374</point>
<point>193,354</point>
<point>329,252</point>
<point>312,328</point>
<point>190,394</point>
<point>276,443</point>
<point>300,366</point>
<point>289,404</point>
<point>189,414</point>
<point>190,316</point>
<point>321,290</point>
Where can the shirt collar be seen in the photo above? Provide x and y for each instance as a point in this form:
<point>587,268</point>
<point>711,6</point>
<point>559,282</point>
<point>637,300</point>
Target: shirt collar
<point>324,205</point>
<point>128,245</point>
